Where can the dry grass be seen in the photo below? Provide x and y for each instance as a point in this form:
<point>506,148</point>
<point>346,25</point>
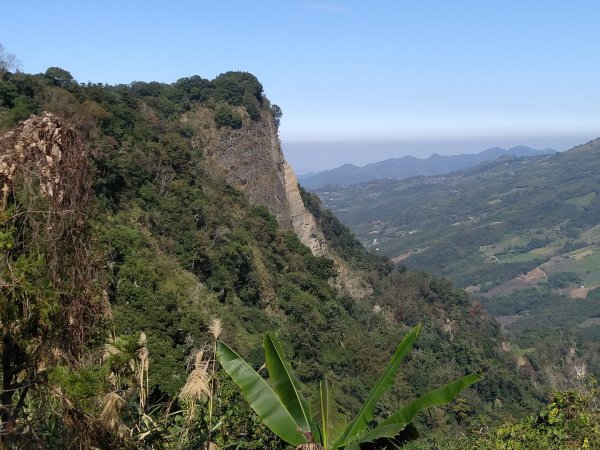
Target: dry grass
<point>110,417</point>
<point>215,328</point>
<point>142,372</point>
<point>197,386</point>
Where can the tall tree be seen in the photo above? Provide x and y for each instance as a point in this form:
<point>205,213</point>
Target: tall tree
<point>8,61</point>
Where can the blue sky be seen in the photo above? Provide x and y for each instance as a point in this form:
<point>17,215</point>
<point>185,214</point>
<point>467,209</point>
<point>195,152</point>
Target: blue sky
<point>445,76</point>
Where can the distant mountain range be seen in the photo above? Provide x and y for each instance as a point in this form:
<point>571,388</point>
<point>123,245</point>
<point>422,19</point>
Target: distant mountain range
<point>409,166</point>
<point>522,234</point>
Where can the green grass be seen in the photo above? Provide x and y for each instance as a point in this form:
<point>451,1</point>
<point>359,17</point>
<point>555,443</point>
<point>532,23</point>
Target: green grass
<point>589,267</point>
<point>591,279</point>
<point>592,235</point>
<point>505,243</point>
<point>590,322</point>
<point>523,257</point>
<point>591,262</point>
<point>583,201</point>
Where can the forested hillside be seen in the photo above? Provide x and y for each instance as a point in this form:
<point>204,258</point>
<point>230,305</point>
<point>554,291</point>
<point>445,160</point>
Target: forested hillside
<point>125,253</point>
<point>520,234</point>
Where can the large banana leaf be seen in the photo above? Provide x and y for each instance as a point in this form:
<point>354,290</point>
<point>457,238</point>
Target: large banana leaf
<point>260,396</point>
<point>385,381</point>
<point>394,424</point>
<point>286,387</point>
<point>331,424</point>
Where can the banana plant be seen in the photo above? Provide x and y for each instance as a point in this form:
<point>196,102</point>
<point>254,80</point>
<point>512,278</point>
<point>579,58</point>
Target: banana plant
<point>282,409</point>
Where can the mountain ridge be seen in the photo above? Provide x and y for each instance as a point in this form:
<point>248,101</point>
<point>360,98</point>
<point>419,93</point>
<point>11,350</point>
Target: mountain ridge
<point>408,166</point>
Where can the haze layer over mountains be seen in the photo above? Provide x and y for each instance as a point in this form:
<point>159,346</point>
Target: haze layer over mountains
<point>409,166</point>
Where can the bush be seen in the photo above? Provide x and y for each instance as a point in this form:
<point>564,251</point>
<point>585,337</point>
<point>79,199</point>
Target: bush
<point>225,116</point>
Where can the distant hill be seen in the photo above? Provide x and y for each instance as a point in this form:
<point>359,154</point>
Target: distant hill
<point>409,166</point>
<point>521,234</point>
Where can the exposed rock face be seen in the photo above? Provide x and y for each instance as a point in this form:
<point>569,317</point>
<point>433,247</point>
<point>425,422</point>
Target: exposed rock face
<point>303,222</point>
<point>349,280</point>
<point>251,160</point>
<point>576,365</point>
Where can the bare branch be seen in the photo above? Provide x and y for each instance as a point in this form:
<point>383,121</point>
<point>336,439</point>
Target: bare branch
<point>8,61</point>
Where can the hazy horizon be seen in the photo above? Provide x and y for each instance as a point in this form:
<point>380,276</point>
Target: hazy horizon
<point>317,156</point>
<point>440,77</point>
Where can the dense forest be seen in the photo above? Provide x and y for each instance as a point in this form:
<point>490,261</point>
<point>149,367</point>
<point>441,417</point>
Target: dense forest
<point>126,255</point>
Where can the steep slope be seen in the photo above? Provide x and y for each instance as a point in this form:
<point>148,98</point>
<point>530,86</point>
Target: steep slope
<point>250,158</point>
<point>179,246</point>
<point>409,166</point>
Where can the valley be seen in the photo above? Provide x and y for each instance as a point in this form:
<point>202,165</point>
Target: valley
<point>521,235</point>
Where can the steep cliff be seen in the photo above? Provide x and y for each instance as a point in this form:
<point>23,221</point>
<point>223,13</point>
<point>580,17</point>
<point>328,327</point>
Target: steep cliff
<point>250,158</point>
<point>303,222</point>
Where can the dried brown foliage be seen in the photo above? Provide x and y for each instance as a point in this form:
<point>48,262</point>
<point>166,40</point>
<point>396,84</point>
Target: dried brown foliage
<point>197,387</point>
<point>110,416</point>
<point>46,181</point>
<point>215,328</point>
<point>50,290</point>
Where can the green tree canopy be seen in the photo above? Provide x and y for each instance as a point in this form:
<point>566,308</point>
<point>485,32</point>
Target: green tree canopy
<point>232,86</point>
<point>59,77</point>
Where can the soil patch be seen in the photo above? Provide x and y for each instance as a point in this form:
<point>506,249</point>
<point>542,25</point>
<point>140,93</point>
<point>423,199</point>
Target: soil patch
<point>578,293</point>
<point>536,274</point>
